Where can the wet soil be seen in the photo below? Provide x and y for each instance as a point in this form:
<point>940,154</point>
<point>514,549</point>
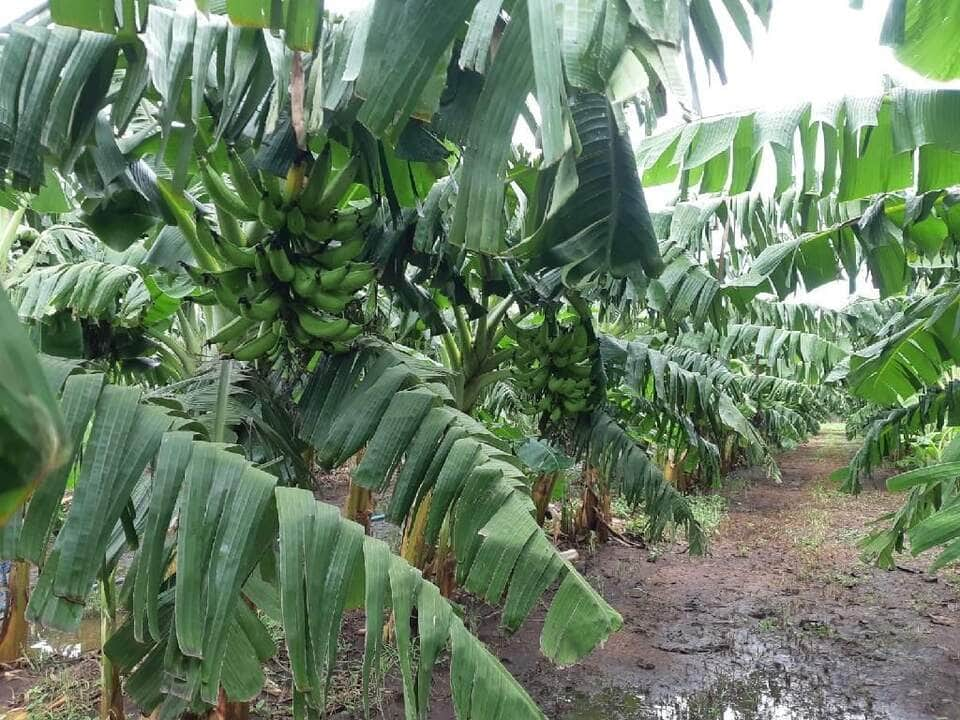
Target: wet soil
<point>782,620</point>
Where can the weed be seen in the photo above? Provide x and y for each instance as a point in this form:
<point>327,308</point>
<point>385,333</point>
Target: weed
<point>634,521</point>
<point>814,531</point>
<point>709,510</point>
<point>769,624</point>
<point>61,695</point>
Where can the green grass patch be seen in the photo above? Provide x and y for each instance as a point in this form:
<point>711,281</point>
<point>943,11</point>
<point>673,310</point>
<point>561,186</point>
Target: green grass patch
<point>61,695</point>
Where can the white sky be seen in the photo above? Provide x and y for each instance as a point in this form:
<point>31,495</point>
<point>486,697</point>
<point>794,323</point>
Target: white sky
<point>813,50</point>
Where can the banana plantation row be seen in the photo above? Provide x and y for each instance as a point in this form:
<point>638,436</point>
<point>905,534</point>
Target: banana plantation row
<point>247,242</point>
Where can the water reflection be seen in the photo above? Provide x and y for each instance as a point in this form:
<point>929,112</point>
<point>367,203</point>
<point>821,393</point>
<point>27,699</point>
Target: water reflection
<point>757,697</point>
<point>47,643</point>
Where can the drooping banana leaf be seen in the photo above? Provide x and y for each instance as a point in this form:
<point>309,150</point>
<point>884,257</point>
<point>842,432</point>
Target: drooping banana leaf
<point>36,442</point>
<point>387,403</point>
<point>597,220</point>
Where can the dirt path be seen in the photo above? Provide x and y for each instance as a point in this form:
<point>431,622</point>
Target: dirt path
<point>781,620</point>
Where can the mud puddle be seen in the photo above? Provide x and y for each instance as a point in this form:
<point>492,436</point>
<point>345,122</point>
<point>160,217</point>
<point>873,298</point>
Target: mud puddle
<point>758,697</point>
<point>46,643</point>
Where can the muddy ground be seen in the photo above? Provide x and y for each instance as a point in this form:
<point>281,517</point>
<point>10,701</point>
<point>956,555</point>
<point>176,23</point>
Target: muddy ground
<point>781,621</point>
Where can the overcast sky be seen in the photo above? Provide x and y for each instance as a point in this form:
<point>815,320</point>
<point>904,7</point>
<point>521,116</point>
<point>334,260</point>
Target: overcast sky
<point>813,50</point>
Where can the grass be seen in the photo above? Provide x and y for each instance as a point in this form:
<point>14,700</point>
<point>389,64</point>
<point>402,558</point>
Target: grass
<point>814,531</point>
<point>708,510</point>
<point>62,695</point>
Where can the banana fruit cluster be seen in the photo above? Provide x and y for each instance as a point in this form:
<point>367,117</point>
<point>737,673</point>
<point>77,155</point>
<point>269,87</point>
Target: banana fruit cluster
<point>283,259</point>
<point>555,370</point>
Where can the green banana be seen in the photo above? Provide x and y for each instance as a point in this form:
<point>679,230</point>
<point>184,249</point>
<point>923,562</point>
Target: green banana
<point>242,180</point>
<point>342,223</point>
<point>237,280</point>
<point>331,279</point>
<point>356,279</point>
<point>263,343</point>
<point>304,280</point>
<point>270,215</point>
<point>574,406</point>
<point>337,187</point>
<point>254,233</point>
<point>222,196</point>
<point>296,223</point>
<point>350,333</point>
<point>177,204</point>
<point>280,263</point>
<point>579,371</point>
<point>207,297</point>
<point>344,253</point>
<point>329,301</point>
<point>230,228</point>
<point>271,187</point>
<point>198,275</point>
<point>234,255</point>
<point>262,263</point>
<point>227,298</point>
<point>233,329</point>
<point>322,327</point>
<point>265,306</point>
<point>205,239</point>
<point>299,335</point>
<point>313,191</point>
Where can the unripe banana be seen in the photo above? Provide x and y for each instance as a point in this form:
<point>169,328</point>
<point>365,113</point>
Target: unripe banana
<point>234,255</point>
<point>262,263</point>
<point>313,191</point>
<point>230,228</point>
<point>299,335</point>
<point>270,215</point>
<point>233,329</point>
<point>350,333</point>
<point>329,301</point>
<point>222,196</point>
<point>304,280</point>
<point>325,328</point>
<point>265,306</point>
<point>243,181</point>
<point>280,263</point>
<point>254,233</point>
<point>207,297</point>
<point>344,253</point>
<point>578,370</point>
<point>205,240</point>
<point>357,278</point>
<point>332,279</point>
<point>261,345</point>
<point>182,212</point>
<point>296,223</point>
<point>237,280</point>
<point>227,298</point>
<point>575,406</point>
<point>271,187</point>
<point>337,187</point>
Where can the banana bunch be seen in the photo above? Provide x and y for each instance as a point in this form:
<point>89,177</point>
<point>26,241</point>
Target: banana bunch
<point>283,259</point>
<point>554,370</point>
